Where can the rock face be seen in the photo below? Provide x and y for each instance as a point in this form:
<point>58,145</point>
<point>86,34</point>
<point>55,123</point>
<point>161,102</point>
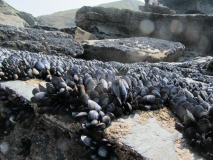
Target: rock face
<point>130,50</point>
<point>156,9</point>
<point>193,31</point>
<point>189,6</point>
<point>38,40</point>
<point>13,17</point>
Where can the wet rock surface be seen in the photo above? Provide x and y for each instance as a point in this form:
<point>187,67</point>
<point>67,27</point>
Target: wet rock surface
<point>130,50</point>
<point>193,31</point>
<point>40,41</point>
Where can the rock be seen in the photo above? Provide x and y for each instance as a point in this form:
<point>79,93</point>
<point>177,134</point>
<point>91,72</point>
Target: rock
<point>130,50</point>
<point>156,9</point>
<point>38,40</point>
<point>194,31</point>
<point>189,6</point>
<point>81,35</point>
<point>149,135</point>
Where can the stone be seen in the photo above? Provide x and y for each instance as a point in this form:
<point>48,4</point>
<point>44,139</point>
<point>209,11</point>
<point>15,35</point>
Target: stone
<point>39,41</point>
<point>194,31</point>
<point>189,6</point>
<point>81,35</point>
<point>156,9</point>
<point>130,50</point>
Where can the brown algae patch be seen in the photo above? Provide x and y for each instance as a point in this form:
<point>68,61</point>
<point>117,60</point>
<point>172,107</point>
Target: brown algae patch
<point>35,82</point>
<point>118,130</point>
<point>164,116</point>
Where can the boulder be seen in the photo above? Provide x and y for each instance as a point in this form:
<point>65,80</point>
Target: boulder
<point>189,6</point>
<point>39,41</point>
<point>194,31</point>
<point>130,50</point>
<point>156,9</point>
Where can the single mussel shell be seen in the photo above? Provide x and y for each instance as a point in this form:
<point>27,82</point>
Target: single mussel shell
<point>35,90</point>
<point>38,96</point>
<point>35,72</point>
<point>80,115</point>
<point>179,126</point>
<point>106,119</point>
<point>103,151</point>
<point>100,126</point>
<point>86,140</point>
<point>92,105</point>
<point>39,65</point>
<point>189,119</point>
<point>93,114</point>
<point>102,114</point>
<point>149,99</point>
<point>111,115</point>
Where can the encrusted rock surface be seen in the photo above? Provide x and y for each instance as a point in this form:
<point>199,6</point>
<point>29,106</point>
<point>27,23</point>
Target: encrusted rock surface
<point>130,50</point>
<point>38,40</point>
<point>192,30</point>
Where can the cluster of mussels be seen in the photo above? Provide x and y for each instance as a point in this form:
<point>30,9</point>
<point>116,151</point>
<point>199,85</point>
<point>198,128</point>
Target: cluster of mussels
<point>13,109</point>
<point>95,93</point>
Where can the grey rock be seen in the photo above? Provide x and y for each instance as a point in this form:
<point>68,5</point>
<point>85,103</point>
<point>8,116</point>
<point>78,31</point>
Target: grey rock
<point>129,50</point>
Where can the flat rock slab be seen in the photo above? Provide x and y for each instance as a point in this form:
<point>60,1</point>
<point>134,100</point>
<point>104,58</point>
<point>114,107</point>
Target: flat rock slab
<point>130,50</point>
<point>39,40</point>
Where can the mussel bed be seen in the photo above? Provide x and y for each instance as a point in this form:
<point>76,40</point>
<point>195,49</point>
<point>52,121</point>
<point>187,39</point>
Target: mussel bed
<point>95,93</point>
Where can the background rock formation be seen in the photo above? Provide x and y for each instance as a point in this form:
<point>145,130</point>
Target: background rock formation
<point>189,6</point>
<point>193,31</point>
<point>66,19</point>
